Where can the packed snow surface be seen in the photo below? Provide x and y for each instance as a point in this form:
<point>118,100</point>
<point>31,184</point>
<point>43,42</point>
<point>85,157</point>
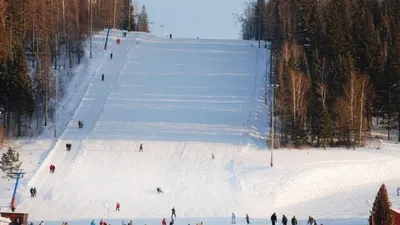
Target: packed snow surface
<point>186,100</point>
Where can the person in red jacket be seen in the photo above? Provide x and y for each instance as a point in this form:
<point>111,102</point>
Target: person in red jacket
<point>163,222</point>
<point>117,206</point>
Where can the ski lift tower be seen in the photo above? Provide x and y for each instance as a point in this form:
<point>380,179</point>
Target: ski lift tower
<point>17,176</point>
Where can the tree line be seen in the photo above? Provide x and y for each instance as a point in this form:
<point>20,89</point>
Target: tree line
<point>37,38</point>
<point>337,64</point>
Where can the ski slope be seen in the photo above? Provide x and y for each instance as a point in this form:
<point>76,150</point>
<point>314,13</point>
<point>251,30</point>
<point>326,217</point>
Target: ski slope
<point>185,100</point>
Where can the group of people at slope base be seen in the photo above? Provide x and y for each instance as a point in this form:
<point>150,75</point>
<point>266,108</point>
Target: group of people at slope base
<point>274,220</point>
<point>234,218</point>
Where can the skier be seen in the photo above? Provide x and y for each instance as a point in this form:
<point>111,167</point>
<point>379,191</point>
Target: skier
<point>311,221</point>
<point>80,124</point>
<point>41,223</point>
<point>398,191</point>
<point>141,148</point>
<point>274,220</point>
<point>247,219</point>
<point>117,206</point>
<point>130,223</point>
<point>102,77</point>
<point>212,156</point>
<point>173,214</point>
<point>92,223</point>
<point>159,190</point>
<point>233,218</point>
<point>170,36</point>
<point>163,222</point>
<point>34,192</point>
<point>172,222</point>
<point>52,168</point>
<point>31,191</point>
<point>111,55</point>
<point>101,222</point>
<point>294,220</point>
<point>284,220</point>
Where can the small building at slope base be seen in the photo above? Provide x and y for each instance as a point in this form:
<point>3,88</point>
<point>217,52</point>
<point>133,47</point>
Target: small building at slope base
<point>396,216</point>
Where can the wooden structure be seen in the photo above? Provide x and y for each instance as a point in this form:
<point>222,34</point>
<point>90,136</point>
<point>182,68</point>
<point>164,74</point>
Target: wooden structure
<point>16,218</point>
<point>396,216</point>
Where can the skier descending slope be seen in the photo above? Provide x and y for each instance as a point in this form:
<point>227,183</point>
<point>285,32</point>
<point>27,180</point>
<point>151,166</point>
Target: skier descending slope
<point>163,222</point>
<point>173,213</point>
<point>117,206</point>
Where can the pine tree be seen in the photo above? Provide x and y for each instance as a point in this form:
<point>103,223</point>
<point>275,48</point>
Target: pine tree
<point>10,162</point>
<point>128,20</point>
<point>381,214</point>
<point>143,22</point>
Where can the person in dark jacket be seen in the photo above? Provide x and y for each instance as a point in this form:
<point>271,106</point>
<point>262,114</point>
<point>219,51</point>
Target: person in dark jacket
<point>274,219</point>
<point>284,220</point>
<point>294,220</point>
<point>159,190</point>
<point>173,213</point>
<point>247,219</point>
<point>311,221</point>
<point>102,77</point>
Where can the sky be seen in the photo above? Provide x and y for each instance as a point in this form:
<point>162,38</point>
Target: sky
<point>206,19</point>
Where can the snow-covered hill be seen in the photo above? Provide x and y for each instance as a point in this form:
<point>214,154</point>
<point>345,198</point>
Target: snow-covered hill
<point>186,100</point>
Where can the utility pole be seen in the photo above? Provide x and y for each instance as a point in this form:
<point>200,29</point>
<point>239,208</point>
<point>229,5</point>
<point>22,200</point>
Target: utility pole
<point>91,26</point>
<point>273,86</point>
<point>55,112</point>
<point>115,11</point>
<point>129,17</point>
<point>259,27</point>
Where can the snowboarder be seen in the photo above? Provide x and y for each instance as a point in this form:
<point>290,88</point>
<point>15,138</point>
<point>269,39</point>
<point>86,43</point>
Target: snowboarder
<point>212,156</point>
<point>141,148</point>
<point>117,206</point>
<point>294,220</point>
<point>173,214</point>
<point>233,218</point>
<point>398,191</point>
<point>102,77</point>
<point>163,222</point>
<point>247,219</point>
<point>111,55</point>
<point>274,220</point>
<point>284,220</point>
<point>159,190</point>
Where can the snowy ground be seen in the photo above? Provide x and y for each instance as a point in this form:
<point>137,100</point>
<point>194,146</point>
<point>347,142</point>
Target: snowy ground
<point>184,100</point>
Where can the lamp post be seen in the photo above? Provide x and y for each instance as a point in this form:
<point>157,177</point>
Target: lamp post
<point>162,30</point>
<point>108,212</point>
<point>91,26</point>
